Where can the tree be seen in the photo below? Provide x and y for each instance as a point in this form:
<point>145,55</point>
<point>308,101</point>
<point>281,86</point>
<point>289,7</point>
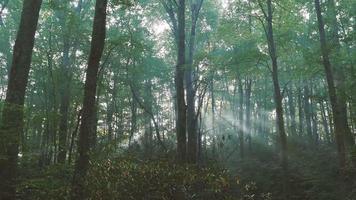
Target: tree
<point>179,85</point>
<point>340,129</point>
<point>277,91</point>
<point>12,115</point>
<point>88,110</point>
<point>190,79</point>
<point>65,77</point>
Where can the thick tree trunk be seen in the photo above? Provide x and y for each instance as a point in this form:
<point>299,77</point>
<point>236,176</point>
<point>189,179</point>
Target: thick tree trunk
<point>179,84</point>
<point>190,91</point>
<point>12,115</point>
<point>88,111</point>
<point>337,115</point>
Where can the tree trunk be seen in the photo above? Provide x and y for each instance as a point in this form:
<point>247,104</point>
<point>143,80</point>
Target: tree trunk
<point>111,108</point>
<point>190,91</point>
<point>12,115</point>
<point>179,84</point>
<point>88,111</point>
<point>148,134</point>
<point>248,113</point>
<point>314,113</point>
<point>241,120</point>
<point>325,122</point>
<point>339,70</point>
<point>337,115</point>
<point>65,89</point>
<point>133,118</point>
<point>292,112</point>
<point>277,91</point>
<point>300,112</point>
<point>307,113</point>
<point>65,100</point>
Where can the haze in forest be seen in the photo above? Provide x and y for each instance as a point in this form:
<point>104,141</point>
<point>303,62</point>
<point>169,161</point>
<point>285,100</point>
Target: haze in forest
<point>177,99</point>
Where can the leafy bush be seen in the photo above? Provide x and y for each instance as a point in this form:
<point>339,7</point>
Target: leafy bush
<point>127,178</point>
<point>50,183</point>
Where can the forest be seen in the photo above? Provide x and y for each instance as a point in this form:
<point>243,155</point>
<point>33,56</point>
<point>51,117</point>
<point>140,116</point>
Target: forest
<point>177,99</point>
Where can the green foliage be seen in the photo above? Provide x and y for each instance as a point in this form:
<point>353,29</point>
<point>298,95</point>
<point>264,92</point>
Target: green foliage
<point>128,178</point>
<point>50,183</point>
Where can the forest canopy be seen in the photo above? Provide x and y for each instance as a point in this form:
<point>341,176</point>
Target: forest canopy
<point>178,99</point>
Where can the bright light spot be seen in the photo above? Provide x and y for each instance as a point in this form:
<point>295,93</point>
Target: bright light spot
<point>160,27</point>
<point>305,14</point>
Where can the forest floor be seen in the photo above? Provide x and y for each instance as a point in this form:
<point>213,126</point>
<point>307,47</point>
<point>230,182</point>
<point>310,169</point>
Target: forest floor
<point>312,175</point>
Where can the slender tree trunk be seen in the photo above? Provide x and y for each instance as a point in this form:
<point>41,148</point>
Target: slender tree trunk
<point>11,126</point>
<point>307,113</point>
<point>337,115</point>
<point>292,112</point>
<point>73,136</point>
<point>64,104</point>
<point>147,118</point>
<point>213,114</point>
<point>88,115</point>
<point>248,112</point>
<point>300,112</point>
<point>325,123</point>
<point>314,113</point>
<point>111,109</point>
<point>277,91</point>
<point>133,118</point>
<point>241,120</point>
<point>65,89</point>
<point>330,119</point>
<point>339,70</point>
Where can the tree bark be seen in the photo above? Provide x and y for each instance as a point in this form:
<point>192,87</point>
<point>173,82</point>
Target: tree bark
<point>277,91</point>
<point>179,84</point>
<point>337,115</point>
<point>248,113</point>
<point>307,113</point>
<point>64,97</point>
<point>241,120</point>
<point>291,106</point>
<point>300,112</point>
<point>66,76</point>
<point>339,70</point>
<point>88,111</point>
<point>12,115</point>
<point>190,91</point>
<point>325,122</point>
